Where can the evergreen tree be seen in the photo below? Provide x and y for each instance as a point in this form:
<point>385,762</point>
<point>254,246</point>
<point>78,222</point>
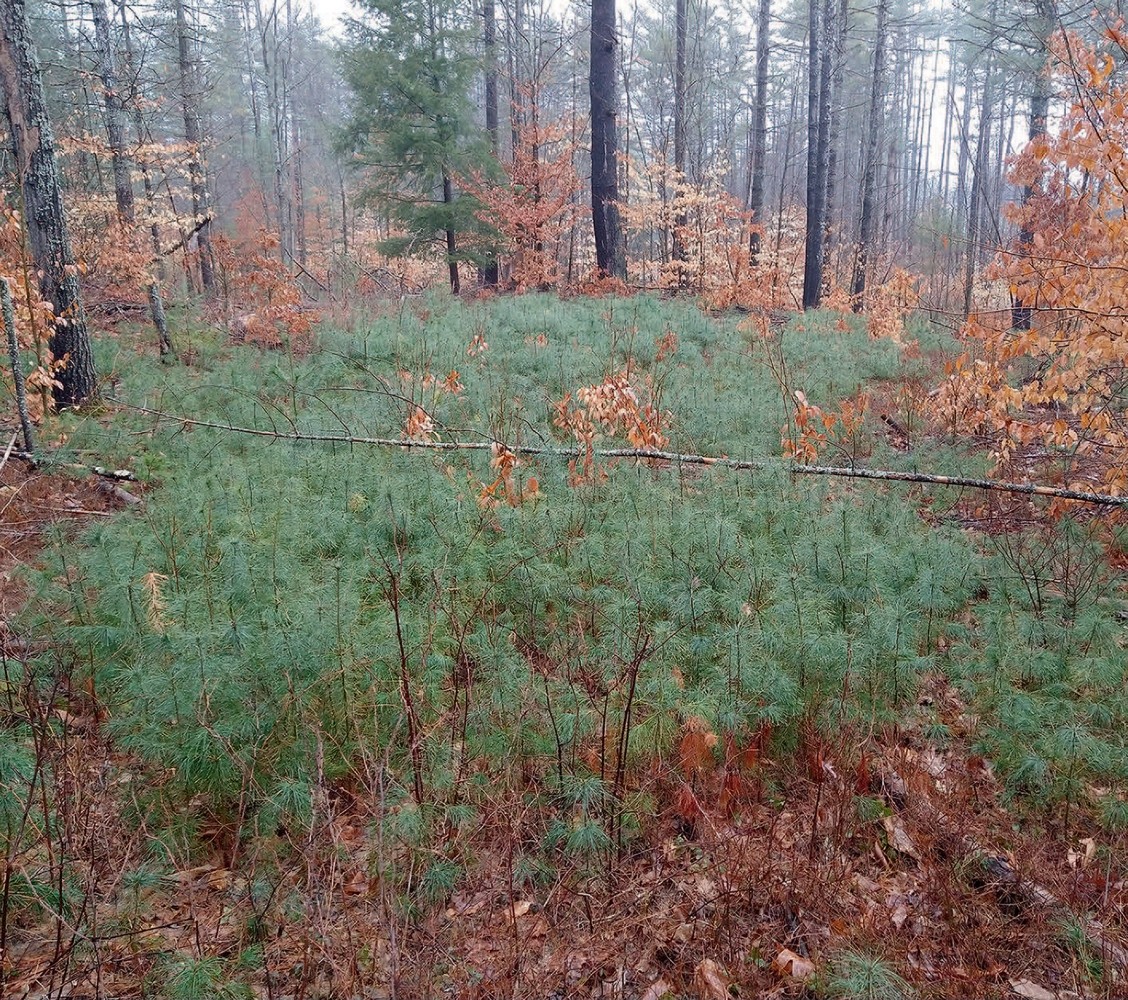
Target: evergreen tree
<point>411,67</point>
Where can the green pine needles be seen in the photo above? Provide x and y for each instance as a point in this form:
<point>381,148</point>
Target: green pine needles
<point>282,618</point>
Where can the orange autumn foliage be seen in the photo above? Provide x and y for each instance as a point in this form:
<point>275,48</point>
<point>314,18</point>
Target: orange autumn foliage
<point>539,203</point>
<point>261,298</point>
<point>613,406</point>
<point>1056,390</point>
<point>715,230</point>
<point>34,319</point>
<point>811,429</point>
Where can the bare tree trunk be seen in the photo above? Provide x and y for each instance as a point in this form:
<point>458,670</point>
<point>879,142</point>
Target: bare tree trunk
<point>298,198</point>
<point>1046,18</point>
<point>9,316</point>
<point>975,208</point>
<point>297,181</point>
<point>816,165</point>
<point>451,239</point>
<point>189,84</point>
<point>681,19</point>
<point>139,128</point>
<point>114,112</point>
<point>834,68</point>
<point>274,71</point>
<point>515,32</point>
<point>965,145</point>
<point>610,252</point>
<point>115,133</point>
<point>873,151</point>
<point>946,147</point>
<point>759,127</point>
<point>490,273</point>
<point>25,109</point>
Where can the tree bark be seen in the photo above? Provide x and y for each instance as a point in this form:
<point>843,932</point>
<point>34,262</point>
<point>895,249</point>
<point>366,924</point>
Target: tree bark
<point>681,18</point>
<point>139,128</point>
<point>975,206</point>
<point>451,238</point>
<point>831,232</point>
<point>610,252</point>
<point>114,112</point>
<point>123,184</point>
<point>816,170</point>
<point>873,149</point>
<point>759,128</point>
<point>33,142</point>
<point>297,178</point>
<point>9,317</point>
<point>193,134</point>
<point>826,70</point>
<point>1045,19</point>
<point>490,272</point>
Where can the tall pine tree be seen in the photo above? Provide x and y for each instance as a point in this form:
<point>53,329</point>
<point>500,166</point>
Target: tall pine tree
<point>411,66</point>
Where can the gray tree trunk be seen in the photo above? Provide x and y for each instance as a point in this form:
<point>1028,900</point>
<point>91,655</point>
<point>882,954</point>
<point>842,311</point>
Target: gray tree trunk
<point>759,127</point>
<point>139,128</point>
<point>816,167</point>
<point>33,142</point>
<point>866,229</point>
<point>681,18</point>
<point>114,112</point>
<point>490,273</point>
<point>1045,20</point>
<point>975,201</point>
<point>610,252</point>
<point>115,133</point>
<point>189,85</point>
<point>831,231</point>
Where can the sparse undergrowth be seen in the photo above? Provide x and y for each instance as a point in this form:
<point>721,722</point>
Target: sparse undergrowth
<point>365,718</point>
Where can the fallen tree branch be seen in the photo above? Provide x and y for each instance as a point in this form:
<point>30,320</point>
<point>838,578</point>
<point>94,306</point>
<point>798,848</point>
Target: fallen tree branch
<point>119,475</point>
<point>648,454</point>
<point>110,490</point>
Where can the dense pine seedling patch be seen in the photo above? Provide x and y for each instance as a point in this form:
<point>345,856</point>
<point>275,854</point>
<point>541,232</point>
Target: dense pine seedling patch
<point>469,665</point>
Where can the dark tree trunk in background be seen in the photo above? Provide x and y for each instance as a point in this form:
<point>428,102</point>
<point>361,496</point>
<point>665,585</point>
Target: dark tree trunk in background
<point>866,228</point>
<point>681,17</point>
<point>451,238</point>
<point>610,253</point>
<point>33,143</point>
<point>759,127</point>
<point>189,85</point>
<point>1045,19</point>
<point>816,165</point>
<point>489,44</point>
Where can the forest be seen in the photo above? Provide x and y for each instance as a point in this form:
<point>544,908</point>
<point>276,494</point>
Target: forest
<point>542,499</point>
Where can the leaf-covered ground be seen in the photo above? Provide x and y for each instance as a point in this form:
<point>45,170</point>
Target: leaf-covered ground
<point>330,719</point>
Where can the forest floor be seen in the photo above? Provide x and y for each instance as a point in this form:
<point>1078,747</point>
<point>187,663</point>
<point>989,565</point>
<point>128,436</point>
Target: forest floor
<point>35,510</point>
<point>320,719</point>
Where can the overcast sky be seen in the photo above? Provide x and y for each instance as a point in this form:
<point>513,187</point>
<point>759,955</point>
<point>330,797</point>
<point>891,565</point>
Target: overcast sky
<point>329,12</point>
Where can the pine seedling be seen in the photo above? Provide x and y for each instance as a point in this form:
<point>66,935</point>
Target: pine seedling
<point>856,975</point>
